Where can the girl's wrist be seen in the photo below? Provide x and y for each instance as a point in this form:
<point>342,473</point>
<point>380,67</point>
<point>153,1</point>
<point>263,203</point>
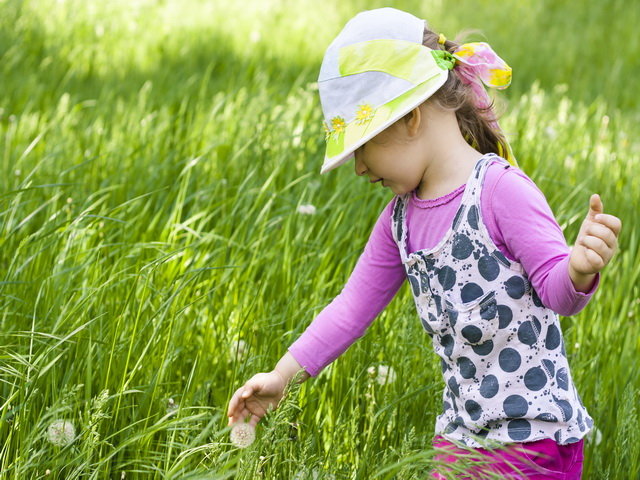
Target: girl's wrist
<point>288,367</point>
<point>582,282</point>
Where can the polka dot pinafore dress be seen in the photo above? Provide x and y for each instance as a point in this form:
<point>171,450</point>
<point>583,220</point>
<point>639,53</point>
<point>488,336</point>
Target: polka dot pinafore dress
<point>503,359</point>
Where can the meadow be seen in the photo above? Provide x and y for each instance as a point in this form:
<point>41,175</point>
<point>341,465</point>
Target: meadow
<point>157,249</point>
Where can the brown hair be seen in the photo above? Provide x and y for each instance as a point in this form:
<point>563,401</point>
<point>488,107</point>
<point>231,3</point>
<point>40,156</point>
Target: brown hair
<point>474,122</point>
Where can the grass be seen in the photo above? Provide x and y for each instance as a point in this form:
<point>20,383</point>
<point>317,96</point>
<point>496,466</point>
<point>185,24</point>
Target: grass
<point>153,156</point>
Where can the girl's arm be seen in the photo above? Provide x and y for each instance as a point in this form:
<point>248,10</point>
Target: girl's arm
<point>376,278</point>
<point>524,228</point>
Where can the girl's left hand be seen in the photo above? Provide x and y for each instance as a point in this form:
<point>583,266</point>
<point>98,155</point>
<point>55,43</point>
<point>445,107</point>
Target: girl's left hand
<point>596,243</point>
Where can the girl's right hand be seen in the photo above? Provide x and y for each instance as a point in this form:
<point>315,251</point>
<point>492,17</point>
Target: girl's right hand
<point>259,393</point>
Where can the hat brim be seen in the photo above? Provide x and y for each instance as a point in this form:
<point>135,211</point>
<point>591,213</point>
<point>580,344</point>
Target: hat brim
<point>341,146</point>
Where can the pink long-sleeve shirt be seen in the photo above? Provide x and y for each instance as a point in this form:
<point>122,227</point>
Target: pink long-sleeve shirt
<point>520,223</point>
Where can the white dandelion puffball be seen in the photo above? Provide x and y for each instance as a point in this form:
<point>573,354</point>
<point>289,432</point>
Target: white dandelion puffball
<point>239,348</point>
<point>61,432</point>
<point>595,436</point>
<point>385,374</point>
<point>306,209</point>
<point>242,435</point>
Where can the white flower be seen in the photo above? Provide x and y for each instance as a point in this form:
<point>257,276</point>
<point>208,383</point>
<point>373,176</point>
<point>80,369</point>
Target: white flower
<point>385,374</point>
<point>242,434</point>
<point>306,209</point>
<point>239,348</point>
<point>315,475</point>
<point>61,432</point>
<point>551,132</point>
<point>172,407</point>
<point>594,436</point>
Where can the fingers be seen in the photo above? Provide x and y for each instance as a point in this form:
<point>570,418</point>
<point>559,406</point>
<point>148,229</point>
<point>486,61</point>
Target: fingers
<point>597,252</point>
<point>602,232</point>
<point>237,403</point>
<point>595,206</point>
<point>595,259</point>
<point>614,223</point>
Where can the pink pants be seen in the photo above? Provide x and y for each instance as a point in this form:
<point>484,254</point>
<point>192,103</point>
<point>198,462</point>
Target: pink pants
<point>543,460</point>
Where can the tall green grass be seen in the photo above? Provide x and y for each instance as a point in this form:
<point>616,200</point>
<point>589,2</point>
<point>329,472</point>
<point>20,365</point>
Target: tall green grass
<point>153,157</point>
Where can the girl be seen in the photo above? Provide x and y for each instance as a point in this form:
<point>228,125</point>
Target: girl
<point>487,263</point>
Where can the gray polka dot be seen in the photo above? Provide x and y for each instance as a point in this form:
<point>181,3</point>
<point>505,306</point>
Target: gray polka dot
<point>452,313</point>
<point>547,417</point>
<point>415,285</point>
<point>425,324</point>
<point>484,348</point>
<point>488,268</point>
<point>515,406</point>
<point>489,386</point>
<point>548,364</point>
<point>453,386</point>
<point>450,428</point>
<point>470,292</point>
<point>472,333</point>
<point>536,299</point>
<point>443,365</point>
<point>447,277</point>
<point>553,337</point>
<point>467,368</point>
<point>505,315</point>
<point>489,309</point>
<point>528,331</point>
<point>461,246</point>
<point>562,378</point>
<point>519,429</point>
<point>448,343</point>
<point>472,217</point>
<point>515,287</point>
<point>565,406</point>
<point>535,379</point>
<point>473,409</point>
<point>509,360</point>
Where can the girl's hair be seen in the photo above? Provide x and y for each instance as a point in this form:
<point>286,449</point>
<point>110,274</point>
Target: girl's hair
<point>474,122</point>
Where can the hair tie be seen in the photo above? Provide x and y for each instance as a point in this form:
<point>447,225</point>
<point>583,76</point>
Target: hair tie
<point>441,39</point>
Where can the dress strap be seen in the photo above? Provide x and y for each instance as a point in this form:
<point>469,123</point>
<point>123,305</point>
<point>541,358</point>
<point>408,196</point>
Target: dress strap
<point>399,224</point>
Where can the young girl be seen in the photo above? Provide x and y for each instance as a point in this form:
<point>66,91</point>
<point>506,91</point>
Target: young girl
<point>487,263</point>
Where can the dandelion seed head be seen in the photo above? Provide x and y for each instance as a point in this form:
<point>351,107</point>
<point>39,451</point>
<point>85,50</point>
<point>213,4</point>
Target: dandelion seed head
<point>551,132</point>
<point>61,432</point>
<point>172,407</point>
<point>382,374</point>
<point>239,348</point>
<point>242,435</point>
<point>306,209</point>
<point>595,436</point>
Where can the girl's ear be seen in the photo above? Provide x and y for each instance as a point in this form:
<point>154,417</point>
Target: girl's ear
<point>412,121</point>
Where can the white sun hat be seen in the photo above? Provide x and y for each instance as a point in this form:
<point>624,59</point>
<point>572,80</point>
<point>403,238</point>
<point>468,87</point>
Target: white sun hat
<point>373,73</point>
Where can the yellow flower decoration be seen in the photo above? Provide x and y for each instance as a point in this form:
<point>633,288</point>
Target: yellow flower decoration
<point>466,50</point>
<point>338,125</point>
<point>500,78</point>
<point>364,114</point>
<point>327,131</point>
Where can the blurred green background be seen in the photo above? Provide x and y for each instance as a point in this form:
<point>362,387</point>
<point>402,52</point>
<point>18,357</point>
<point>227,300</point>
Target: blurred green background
<point>154,158</point>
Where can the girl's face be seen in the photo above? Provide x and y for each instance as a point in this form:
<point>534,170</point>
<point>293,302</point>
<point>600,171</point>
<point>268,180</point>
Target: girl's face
<point>393,161</point>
